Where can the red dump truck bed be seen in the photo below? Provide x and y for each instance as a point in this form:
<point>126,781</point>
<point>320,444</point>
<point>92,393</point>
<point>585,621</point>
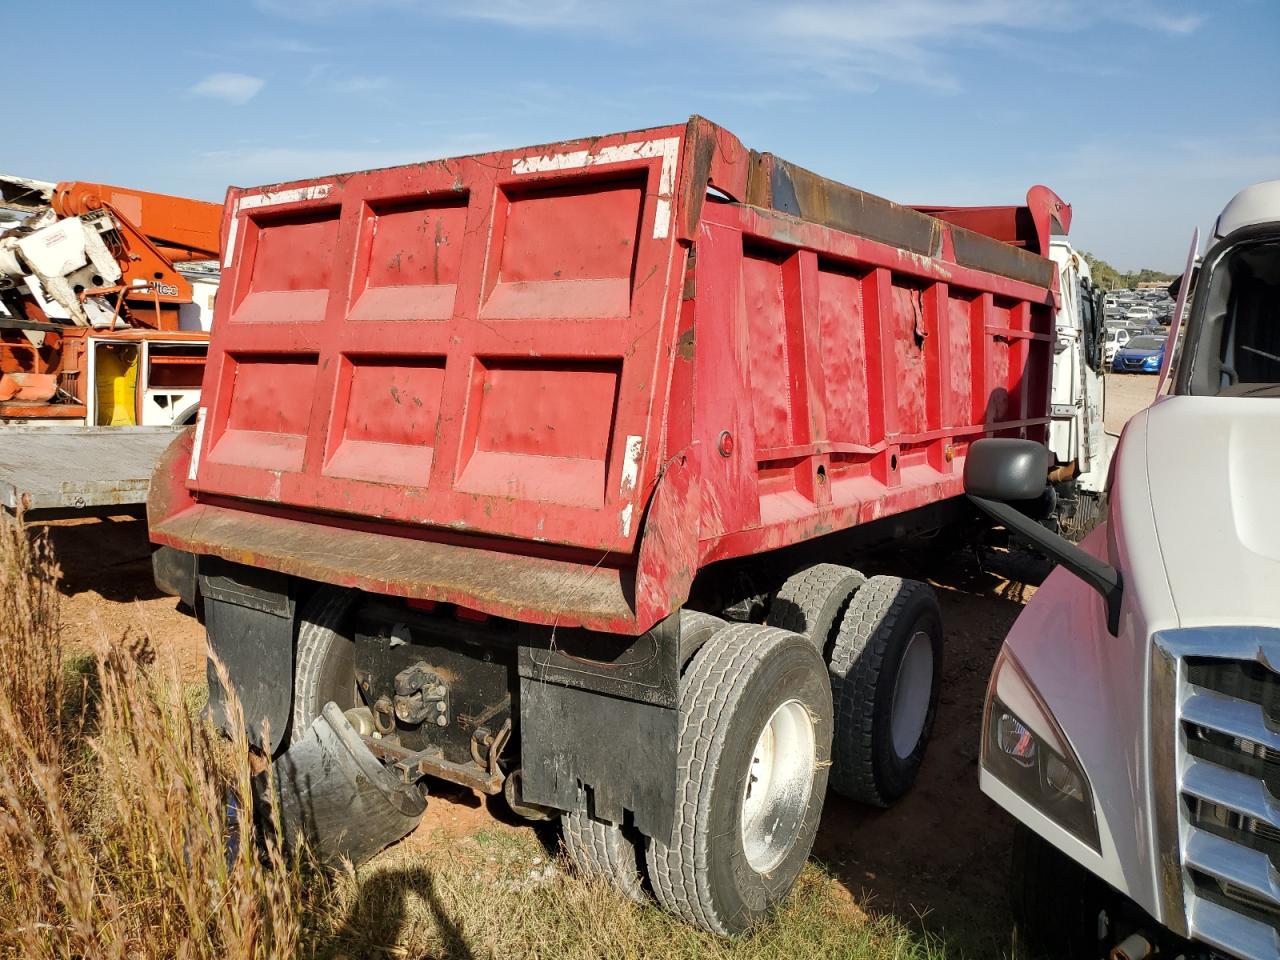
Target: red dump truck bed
<point>553,383</point>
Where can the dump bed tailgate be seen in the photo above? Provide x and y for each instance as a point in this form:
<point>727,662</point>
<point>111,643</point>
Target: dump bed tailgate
<point>452,342</point>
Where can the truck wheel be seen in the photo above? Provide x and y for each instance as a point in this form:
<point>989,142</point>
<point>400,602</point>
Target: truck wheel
<point>1055,901</point>
<point>812,601</point>
<point>609,851</point>
<point>886,669</point>
<point>696,628</point>
<point>324,662</point>
<point>753,749</point>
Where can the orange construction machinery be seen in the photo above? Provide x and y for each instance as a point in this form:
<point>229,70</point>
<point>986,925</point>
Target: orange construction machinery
<point>106,298</point>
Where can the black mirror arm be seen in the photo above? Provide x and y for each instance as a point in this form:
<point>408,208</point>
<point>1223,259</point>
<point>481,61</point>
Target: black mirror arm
<point>1101,576</point>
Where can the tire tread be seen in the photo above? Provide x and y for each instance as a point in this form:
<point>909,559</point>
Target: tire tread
<point>318,625</point>
<point>710,689</point>
<point>605,850</point>
<point>856,661</point>
<point>806,597</point>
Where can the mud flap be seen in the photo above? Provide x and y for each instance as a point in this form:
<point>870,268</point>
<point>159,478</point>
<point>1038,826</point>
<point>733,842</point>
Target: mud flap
<point>336,798</point>
<point>250,619</point>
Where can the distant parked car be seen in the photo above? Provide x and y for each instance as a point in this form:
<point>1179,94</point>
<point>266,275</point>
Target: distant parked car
<point>1140,355</point>
<point>1139,313</point>
<point>1117,337</point>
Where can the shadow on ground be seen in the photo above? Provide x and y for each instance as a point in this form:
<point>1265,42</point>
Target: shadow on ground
<point>384,911</point>
<point>109,556</point>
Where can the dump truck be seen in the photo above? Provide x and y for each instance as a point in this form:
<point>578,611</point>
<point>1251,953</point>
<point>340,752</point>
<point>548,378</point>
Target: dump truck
<point>539,471</point>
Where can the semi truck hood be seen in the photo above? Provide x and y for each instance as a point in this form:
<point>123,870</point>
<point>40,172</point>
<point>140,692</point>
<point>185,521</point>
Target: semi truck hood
<point>1214,472</point>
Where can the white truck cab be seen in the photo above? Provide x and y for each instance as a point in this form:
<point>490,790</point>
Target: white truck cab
<point>1132,722</point>
<point>1077,439</point>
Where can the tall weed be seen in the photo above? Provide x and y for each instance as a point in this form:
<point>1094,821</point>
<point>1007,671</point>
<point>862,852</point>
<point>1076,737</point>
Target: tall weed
<point>115,836</point>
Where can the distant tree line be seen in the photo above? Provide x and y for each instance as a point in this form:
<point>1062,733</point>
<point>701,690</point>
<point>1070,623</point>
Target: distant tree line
<point>1109,278</point>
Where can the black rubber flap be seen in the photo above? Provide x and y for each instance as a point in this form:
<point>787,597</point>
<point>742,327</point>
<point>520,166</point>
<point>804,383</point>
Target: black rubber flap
<point>337,798</point>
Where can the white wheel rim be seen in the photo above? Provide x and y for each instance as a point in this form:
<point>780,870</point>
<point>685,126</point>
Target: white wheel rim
<point>912,691</point>
<point>779,781</point>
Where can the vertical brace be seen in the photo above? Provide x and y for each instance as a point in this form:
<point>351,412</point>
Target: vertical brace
<point>1020,372</point>
<point>882,372</point>
<point>983,311</point>
<point>939,414</point>
<point>806,384</point>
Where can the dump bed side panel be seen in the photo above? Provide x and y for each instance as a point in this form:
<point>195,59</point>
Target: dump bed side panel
<point>471,343</point>
<point>840,379</point>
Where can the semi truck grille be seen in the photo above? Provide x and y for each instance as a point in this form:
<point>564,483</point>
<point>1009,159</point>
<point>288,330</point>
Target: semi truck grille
<point>1229,810</point>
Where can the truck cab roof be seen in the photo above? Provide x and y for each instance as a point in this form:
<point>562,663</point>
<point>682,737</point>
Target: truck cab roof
<point>1253,205</point>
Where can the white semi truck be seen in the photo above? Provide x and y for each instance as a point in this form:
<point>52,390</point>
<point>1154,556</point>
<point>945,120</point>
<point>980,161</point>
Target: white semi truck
<point>1132,723</point>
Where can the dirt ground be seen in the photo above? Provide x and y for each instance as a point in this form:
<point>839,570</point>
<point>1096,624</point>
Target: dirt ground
<point>937,860</point>
<point>1127,393</point>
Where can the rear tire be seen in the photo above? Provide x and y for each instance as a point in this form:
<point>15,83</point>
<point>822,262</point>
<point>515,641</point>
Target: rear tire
<point>608,851</point>
<point>324,664</point>
<point>813,600</point>
<point>886,672</point>
<point>696,628</point>
<point>753,750</point>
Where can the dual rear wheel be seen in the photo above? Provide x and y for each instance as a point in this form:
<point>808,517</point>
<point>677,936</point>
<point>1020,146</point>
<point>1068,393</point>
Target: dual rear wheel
<point>841,682</point>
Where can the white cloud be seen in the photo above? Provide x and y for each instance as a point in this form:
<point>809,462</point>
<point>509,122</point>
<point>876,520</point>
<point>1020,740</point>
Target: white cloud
<point>535,13</point>
<point>362,84</point>
<point>291,45</point>
<point>257,164</point>
<point>511,13</point>
<point>236,88</point>
<point>918,41</point>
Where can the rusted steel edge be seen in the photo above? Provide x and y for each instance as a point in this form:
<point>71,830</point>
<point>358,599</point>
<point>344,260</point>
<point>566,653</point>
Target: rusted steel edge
<point>532,589</point>
<point>433,765</point>
<point>778,185</point>
<point>839,245</point>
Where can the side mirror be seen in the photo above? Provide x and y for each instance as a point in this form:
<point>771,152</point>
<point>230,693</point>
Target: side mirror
<point>998,470</point>
<point>1003,468</point>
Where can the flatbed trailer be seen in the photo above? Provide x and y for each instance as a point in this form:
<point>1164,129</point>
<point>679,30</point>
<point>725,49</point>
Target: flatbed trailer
<point>514,459</point>
<point>48,469</point>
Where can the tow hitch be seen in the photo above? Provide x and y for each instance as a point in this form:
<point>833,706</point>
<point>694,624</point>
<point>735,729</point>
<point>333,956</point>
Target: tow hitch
<point>337,798</point>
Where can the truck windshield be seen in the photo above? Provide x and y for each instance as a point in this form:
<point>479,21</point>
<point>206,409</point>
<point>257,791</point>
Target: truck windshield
<point>1236,333</point>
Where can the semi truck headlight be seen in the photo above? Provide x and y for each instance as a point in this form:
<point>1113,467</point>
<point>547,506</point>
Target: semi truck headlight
<point>1023,748</point>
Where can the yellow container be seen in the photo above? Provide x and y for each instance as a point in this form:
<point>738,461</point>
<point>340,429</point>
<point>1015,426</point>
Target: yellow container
<point>116,380</point>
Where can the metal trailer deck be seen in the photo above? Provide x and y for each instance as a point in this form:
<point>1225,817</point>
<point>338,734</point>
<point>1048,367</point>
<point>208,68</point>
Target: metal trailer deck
<point>49,468</point>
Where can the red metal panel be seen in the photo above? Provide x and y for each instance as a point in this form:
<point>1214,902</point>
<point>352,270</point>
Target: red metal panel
<point>909,358</point>
<point>461,370</point>
<point>842,340</point>
<point>723,411</point>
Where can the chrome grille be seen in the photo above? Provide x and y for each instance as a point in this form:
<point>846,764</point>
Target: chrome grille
<point>1229,808</point>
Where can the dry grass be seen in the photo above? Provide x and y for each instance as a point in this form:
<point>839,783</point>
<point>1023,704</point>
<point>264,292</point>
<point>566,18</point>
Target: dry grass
<point>113,800</point>
<point>114,841</point>
<point>499,894</point>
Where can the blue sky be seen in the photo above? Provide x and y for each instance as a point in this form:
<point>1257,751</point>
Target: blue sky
<point>1146,115</point>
